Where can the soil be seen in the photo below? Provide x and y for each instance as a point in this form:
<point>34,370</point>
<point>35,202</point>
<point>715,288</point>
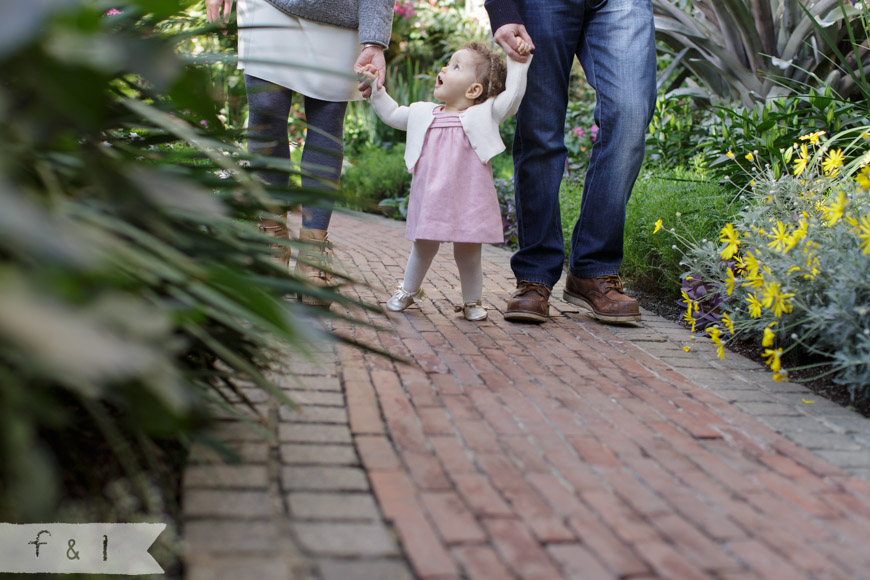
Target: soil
<point>823,387</point>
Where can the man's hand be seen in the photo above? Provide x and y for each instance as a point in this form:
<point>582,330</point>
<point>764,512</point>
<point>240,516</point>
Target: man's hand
<point>372,60</point>
<point>218,10</point>
<point>510,36</point>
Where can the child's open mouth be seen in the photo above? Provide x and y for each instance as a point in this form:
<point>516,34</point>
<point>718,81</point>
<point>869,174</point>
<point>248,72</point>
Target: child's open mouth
<point>438,81</point>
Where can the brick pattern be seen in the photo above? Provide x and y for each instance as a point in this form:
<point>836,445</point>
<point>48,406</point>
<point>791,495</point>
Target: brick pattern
<point>578,450</point>
<point>297,505</point>
<point>499,451</point>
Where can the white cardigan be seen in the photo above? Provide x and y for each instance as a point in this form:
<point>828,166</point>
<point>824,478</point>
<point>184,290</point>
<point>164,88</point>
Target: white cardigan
<point>480,122</point>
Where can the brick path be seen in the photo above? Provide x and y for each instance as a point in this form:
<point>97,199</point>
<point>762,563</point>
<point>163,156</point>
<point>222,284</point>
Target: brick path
<point>504,451</point>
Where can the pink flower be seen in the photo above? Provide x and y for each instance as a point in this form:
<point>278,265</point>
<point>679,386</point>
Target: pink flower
<point>579,131</point>
<point>204,123</point>
<point>113,12</point>
<point>594,131</point>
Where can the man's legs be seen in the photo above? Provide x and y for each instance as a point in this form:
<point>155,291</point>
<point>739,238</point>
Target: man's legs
<point>539,142</point>
<point>618,55</point>
<point>539,154</point>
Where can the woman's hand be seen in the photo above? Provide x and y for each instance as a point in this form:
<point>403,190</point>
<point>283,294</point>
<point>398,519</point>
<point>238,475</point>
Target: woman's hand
<point>509,36</point>
<point>371,60</point>
<point>218,10</point>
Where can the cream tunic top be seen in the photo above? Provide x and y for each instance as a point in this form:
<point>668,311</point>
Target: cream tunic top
<point>308,57</point>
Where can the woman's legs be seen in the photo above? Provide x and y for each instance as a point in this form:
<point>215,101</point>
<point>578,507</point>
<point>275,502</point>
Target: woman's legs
<point>467,258</point>
<point>322,156</point>
<point>268,110</point>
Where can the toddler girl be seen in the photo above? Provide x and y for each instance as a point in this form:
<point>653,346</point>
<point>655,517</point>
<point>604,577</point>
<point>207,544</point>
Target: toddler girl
<point>449,150</point>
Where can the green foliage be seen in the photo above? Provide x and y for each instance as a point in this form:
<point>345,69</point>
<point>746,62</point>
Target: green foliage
<point>134,290</point>
<point>793,269</point>
<point>375,175</point>
<point>769,130</point>
<point>752,50</point>
<point>679,198</point>
<point>677,123</point>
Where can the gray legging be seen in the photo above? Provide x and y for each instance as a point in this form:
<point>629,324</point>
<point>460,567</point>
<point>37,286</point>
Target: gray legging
<point>322,155</point>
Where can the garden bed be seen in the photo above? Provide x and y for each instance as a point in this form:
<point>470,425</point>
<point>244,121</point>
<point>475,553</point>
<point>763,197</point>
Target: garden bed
<point>668,309</point>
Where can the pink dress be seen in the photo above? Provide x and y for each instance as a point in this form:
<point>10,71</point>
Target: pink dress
<point>452,195</point>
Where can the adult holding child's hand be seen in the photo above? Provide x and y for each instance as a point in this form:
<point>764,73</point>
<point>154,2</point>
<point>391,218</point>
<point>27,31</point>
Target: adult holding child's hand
<point>309,48</point>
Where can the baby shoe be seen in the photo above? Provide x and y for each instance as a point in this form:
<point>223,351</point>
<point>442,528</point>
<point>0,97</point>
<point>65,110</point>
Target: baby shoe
<point>402,299</point>
<point>472,311</point>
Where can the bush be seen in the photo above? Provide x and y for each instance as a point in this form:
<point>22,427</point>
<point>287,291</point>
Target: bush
<point>792,272</point>
<point>376,175</point>
<point>688,197</point>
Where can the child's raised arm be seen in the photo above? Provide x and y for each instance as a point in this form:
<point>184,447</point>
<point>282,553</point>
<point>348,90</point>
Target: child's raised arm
<point>508,101</point>
<point>386,108</point>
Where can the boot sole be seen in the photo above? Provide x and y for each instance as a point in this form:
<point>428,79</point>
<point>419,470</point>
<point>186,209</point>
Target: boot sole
<point>584,304</point>
<point>522,316</point>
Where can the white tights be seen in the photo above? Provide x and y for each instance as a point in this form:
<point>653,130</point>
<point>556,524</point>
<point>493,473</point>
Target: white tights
<point>467,258</point>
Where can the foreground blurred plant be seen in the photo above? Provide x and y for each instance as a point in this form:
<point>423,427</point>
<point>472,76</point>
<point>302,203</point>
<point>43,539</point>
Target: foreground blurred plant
<point>792,272</point>
<point>134,289</point>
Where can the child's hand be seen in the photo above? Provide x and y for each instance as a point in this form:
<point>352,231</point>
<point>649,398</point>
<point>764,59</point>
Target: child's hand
<point>523,47</point>
<point>368,75</point>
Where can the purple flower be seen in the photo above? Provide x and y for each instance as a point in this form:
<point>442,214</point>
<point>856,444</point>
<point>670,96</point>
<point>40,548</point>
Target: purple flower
<point>579,131</point>
<point>113,12</point>
<point>594,131</point>
<point>204,123</point>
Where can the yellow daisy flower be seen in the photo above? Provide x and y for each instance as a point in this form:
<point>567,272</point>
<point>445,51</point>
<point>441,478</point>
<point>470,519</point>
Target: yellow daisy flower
<point>731,238</point>
<point>658,226</point>
<point>832,163</point>
<point>773,357</point>
<point>754,306</point>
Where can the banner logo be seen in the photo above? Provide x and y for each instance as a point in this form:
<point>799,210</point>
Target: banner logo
<point>78,548</point>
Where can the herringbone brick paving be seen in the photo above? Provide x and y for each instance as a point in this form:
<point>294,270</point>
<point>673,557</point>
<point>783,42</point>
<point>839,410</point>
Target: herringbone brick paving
<point>563,451</point>
<point>498,451</point>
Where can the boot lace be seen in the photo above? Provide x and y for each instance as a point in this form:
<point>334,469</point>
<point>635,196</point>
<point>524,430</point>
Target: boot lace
<point>612,282</point>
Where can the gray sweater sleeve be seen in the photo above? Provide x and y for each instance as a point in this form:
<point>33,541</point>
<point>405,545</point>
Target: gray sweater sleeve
<point>375,21</point>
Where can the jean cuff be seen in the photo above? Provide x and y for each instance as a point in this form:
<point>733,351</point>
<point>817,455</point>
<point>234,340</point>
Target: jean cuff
<point>594,273</point>
<point>536,280</point>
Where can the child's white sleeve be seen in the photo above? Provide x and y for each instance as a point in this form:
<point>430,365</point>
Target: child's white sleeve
<point>508,101</point>
<point>388,110</point>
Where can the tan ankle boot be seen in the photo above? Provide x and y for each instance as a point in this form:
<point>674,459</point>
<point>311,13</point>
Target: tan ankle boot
<point>318,254</point>
<point>277,230</point>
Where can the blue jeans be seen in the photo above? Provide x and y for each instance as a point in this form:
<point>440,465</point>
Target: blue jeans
<point>614,40</point>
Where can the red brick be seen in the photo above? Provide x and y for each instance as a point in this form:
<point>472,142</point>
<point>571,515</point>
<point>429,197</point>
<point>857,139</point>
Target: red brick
<point>453,520</point>
<point>460,407</point>
<point>435,421</point>
<point>524,454</point>
<point>425,470</point>
<point>549,529</point>
<point>592,451</point>
<point>377,453</point>
<point>667,563</point>
<point>697,548</point>
<point>453,455</point>
<point>607,547</point>
<point>445,384</point>
<point>519,549</point>
<point>562,499</point>
<point>797,495</point>
<point>477,436</point>
<point>578,563</point>
<point>482,563</point>
<point>768,564</point>
<point>480,495</point>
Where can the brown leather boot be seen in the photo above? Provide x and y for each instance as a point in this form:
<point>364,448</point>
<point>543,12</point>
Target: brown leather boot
<point>604,298</point>
<point>315,262</point>
<point>530,303</point>
<point>275,229</point>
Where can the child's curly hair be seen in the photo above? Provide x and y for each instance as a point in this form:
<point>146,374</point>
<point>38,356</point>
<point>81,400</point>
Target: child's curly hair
<point>491,70</point>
